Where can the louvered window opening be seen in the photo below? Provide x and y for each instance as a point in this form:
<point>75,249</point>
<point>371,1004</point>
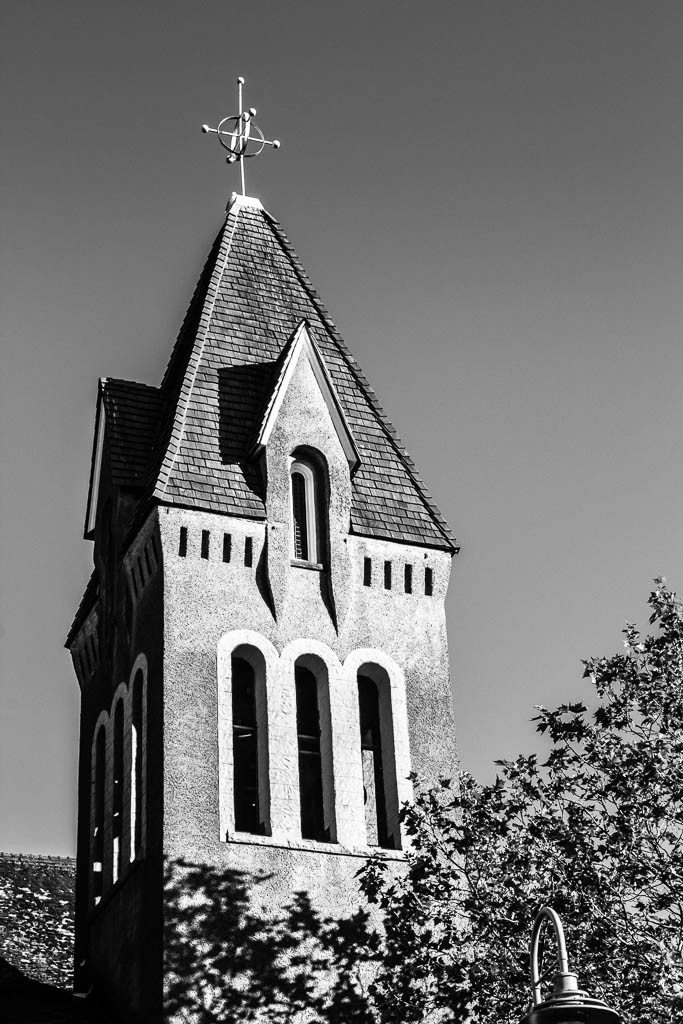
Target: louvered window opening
<point>136,769</point>
<point>376,823</point>
<point>98,815</point>
<point>117,796</point>
<point>300,516</point>
<point>245,747</point>
<point>310,760</point>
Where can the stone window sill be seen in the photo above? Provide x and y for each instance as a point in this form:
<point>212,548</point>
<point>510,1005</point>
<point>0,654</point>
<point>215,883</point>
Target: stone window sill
<point>299,563</point>
<point>312,846</point>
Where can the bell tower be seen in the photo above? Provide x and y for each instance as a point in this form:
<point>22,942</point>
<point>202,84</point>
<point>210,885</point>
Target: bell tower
<point>261,649</point>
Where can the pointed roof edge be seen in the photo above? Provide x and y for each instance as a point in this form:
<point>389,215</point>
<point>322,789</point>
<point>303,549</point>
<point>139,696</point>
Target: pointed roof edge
<point>177,423</point>
<point>205,296</point>
<point>90,595</point>
<point>363,383</point>
<point>301,341</point>
<point>95,463</point>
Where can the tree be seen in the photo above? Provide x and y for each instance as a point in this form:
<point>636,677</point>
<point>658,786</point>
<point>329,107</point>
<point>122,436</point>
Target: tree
<point>595,830</point>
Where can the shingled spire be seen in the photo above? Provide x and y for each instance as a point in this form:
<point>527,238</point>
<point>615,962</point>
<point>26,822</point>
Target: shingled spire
<point>252,295</point>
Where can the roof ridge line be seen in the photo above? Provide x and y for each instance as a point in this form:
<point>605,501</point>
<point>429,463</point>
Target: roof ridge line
<point>362,380</point>
<point>178,426</point>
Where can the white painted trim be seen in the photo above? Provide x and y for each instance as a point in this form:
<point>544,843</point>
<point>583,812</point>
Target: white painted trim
<point>310,494</point>
<point>101,723</point>
<point>120,696</point>
<point>321,660</point>
<point>394,723</point>
<point>303,344</point>
<point>139,665</point>
<point>227,645</point>
<point>94,491</point>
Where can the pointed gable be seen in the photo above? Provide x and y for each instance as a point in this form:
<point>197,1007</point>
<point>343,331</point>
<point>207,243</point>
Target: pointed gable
<point>301,345</point>
<point>223,376</point>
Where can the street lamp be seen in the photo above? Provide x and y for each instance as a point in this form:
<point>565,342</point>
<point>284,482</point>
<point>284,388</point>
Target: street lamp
<point>568,1004</point>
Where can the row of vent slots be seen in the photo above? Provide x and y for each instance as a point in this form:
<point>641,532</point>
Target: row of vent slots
<point>407,577</point>
<point>227,546</point>
<point>138,585</point>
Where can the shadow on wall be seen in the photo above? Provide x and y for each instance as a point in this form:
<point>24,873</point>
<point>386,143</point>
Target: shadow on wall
<point>225,961</point>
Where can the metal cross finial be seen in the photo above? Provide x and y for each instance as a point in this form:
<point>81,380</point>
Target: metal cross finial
<point>237,132</point>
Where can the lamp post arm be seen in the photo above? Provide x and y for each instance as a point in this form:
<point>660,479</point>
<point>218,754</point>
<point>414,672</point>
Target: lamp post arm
<point>546,914</point>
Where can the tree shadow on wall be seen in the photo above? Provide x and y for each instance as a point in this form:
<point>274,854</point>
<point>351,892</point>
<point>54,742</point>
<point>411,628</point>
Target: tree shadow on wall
<point>225,961</point>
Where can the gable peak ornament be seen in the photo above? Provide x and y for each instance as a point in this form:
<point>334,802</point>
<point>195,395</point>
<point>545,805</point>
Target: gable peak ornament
<point>239,135</point>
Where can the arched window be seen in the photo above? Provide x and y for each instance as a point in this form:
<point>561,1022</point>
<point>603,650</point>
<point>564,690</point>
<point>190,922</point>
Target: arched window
<point>98,816</point>
<point>316,792</point>
<point>136,767</point>
<point>117,792</point>
<point>249,743</point>
<point>377,753</point>
<point>305,539</point>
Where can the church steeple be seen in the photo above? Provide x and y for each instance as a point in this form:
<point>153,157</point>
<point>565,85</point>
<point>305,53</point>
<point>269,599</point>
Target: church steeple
<point>262,649</point>
<point>249,301</point>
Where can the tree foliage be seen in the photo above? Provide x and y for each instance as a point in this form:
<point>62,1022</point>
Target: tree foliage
<point>595,830</point>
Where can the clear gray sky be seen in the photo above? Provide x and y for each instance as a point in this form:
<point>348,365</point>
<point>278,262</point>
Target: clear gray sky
<point>488,196</point>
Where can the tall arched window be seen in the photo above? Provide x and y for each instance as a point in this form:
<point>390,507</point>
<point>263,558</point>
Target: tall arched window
<point>316,790</point>
<point>117,792</point>
<point>136,767</point>
<point>97,834</point>
<point>305,534</point>
<point>250,742</point>
<point>377,753</point>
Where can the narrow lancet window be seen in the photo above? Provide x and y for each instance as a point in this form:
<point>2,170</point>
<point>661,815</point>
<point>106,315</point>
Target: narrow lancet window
<point>300,517</point>
<point>136,769</point>
<point>379,777</point>
<point>306,545</point>
<point>245,747</point>
<point>117,792</point>
<point>310,760</point>
<point>98,818</point>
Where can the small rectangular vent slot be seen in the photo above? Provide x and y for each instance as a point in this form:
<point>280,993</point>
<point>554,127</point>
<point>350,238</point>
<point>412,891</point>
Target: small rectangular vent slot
<point>248,551</point>
<point>182,548</point>
<point>227,547</point>
<point>128,610</point>
<point>367,572</point>
<point>387,575</point>
<point>408,579</point>
<point>205,544</point>
<point>429,581</point>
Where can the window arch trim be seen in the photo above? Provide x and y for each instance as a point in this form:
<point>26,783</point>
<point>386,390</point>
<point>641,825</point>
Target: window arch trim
<point>137,760</point>
<point>240,643</point>
<point>309,550</point>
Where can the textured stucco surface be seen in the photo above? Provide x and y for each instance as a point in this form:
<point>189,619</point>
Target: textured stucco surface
<point>288,612</point>
<point>189,615</point>
<point>118,942</point>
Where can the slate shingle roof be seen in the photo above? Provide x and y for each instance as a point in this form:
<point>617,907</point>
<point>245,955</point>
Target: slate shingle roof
<point>188,441</point>
<point>90,595</point>
<point>133,413</point>
<point>250,298</point>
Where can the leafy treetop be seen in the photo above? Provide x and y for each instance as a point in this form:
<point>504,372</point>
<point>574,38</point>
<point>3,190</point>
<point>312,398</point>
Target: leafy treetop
<point>595,830</point>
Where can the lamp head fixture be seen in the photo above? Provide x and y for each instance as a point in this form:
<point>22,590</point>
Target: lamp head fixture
<point>568,1004</point>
